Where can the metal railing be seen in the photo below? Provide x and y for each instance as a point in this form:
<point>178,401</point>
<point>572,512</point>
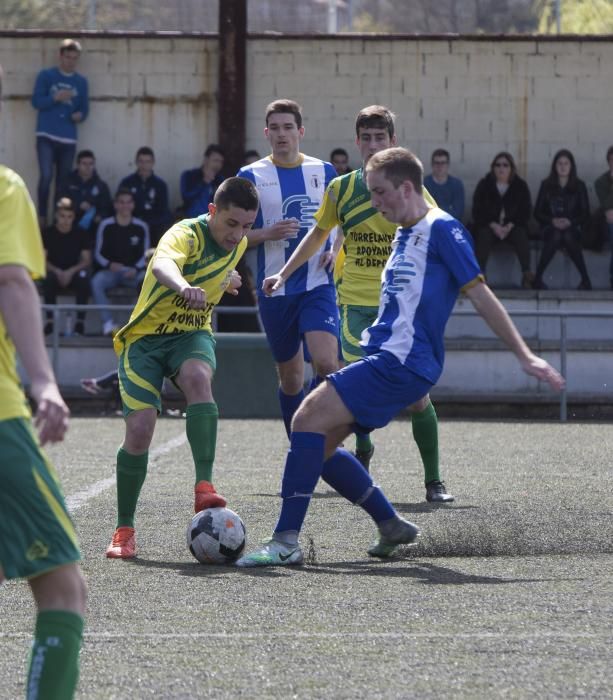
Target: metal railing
<point>563,317</point>
<point>60,310</point>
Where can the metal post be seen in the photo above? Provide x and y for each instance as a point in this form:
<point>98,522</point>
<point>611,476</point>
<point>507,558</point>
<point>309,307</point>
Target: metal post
<point>332,17</point>
<point>563,396</point>
<point>558,12</point>
<point>91,14</point>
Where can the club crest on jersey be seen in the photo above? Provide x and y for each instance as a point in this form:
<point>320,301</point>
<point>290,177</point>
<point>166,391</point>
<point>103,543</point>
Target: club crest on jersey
<point>301,207</point>
<point>315,181</point>
<point>401,272</point>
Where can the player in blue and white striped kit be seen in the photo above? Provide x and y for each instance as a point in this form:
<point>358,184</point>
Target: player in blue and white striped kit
<point>291,187</point>
<point>432,260</point>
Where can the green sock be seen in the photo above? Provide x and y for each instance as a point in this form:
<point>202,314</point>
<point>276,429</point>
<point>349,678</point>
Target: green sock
<point>425,433</point>
<point>201,428</point>
<point>131,473</point>
<point>363,442</point>
<point>54,662</point>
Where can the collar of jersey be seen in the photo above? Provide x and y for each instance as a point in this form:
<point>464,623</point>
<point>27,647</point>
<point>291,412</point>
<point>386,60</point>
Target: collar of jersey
<point>208,238</point>
<point>295,164</point>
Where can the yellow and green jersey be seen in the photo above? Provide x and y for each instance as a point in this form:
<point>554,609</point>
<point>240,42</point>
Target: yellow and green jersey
<point>202,262</point>
<point>368,238</point>
<point>20,244</point>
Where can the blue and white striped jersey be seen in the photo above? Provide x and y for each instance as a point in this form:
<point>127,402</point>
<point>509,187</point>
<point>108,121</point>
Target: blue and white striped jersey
<point>286,193</point>
<point>429,265</point>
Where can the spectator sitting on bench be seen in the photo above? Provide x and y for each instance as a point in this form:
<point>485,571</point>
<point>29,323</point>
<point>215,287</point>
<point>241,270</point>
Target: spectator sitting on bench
<point>121,244</point>
<point>501,212</point>
<point>68,262</point>
<point>198,186</point>
<point>563,209</point>
<point>89,193</point>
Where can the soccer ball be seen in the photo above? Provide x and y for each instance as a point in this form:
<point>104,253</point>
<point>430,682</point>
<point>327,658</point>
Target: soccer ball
<point>216,536</point>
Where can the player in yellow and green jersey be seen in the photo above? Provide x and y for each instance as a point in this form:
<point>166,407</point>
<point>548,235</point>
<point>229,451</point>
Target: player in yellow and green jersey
<point>366,245</point>
<point>169,335</point>
<point>37,538</point>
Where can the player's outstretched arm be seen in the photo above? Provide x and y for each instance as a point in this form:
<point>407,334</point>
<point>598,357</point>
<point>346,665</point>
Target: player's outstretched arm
<point>20,310</point>
<point>167,273</point>
<point>497,318</point>
<point>306,249</point>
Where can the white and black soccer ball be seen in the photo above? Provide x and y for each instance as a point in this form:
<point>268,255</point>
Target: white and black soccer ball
<point>216,536</point>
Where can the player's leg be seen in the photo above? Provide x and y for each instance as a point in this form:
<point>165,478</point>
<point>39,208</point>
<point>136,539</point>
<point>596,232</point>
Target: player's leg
<point>353,321</point>
<point>38,542</point>
<point>280,321</point>
<point>424,423</point>
<point>318,325</point>
<point>195,357</point>
<point>325,417</point>
<point>141,375</point>
<point>60,597</point>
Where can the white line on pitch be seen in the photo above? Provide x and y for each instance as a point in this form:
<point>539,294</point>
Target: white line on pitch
<point>78,500</point>
<point>332,635</point>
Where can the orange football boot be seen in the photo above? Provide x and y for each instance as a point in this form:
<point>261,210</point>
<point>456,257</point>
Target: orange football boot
<point>207,497</point>
<point>123,544</point>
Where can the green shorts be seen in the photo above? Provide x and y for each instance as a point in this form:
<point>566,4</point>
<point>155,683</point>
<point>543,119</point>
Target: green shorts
<point>36,532</point>
<point>144,363</point>
<point>354,319</point>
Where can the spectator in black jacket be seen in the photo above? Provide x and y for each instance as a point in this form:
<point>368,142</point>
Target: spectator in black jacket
<point>68,262</point>
<point>501,212</point>
<point>89,194</point>
<point>121,244</point>
<point>150,194</point>
<point>562,208</point>
<point>198,186</point>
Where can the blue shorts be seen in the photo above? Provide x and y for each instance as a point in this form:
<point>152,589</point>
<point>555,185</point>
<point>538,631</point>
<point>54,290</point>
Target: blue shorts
<point>287,318</point>
<point>376,388</point>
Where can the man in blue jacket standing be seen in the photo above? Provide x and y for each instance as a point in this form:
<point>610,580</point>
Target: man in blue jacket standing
<point>61,98</point>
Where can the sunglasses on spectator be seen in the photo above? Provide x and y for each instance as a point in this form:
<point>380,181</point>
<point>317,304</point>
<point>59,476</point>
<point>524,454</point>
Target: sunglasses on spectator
<point>502,164</point>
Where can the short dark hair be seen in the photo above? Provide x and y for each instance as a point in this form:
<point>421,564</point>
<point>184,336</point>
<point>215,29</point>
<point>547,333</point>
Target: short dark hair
<point>440,153</point>
<point>339,152</point>
<point>398,165</point>
<point>214,148</point>
<point>123,191</point>
<point>251,153</point>
<point>238,192</point>
<point>609,150</point>
<point>85,153</point>
<point>145,151</point>
<point>375,117</point>
<point>70,45</point>
<point>285,107</point>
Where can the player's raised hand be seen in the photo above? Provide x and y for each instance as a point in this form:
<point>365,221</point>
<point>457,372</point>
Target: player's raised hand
<point>234,283</point>
<point>194,296</point>
<point>272,283</point>
<point>284,229</point>
<point>51,418</point>
<point>542,370</point>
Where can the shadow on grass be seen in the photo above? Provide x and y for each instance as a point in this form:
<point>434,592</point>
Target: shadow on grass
<point>197,570</point>
<point>425,573</point>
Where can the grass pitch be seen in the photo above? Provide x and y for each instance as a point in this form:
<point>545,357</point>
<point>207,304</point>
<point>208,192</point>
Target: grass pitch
<point>509,592</point>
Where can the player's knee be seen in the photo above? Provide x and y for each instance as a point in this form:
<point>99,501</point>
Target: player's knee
<point>139,433</point>
<point>61,589</point>
<point>325,366</point>
<point>420,405</point>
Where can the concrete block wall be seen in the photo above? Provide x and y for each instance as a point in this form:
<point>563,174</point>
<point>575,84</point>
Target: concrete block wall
<point>474,96</point>
<point>159,92</point>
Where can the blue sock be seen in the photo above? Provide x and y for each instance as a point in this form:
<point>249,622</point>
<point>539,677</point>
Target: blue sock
<point>302,471</point>
<point>289,404</point>
<point>349,478</point>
